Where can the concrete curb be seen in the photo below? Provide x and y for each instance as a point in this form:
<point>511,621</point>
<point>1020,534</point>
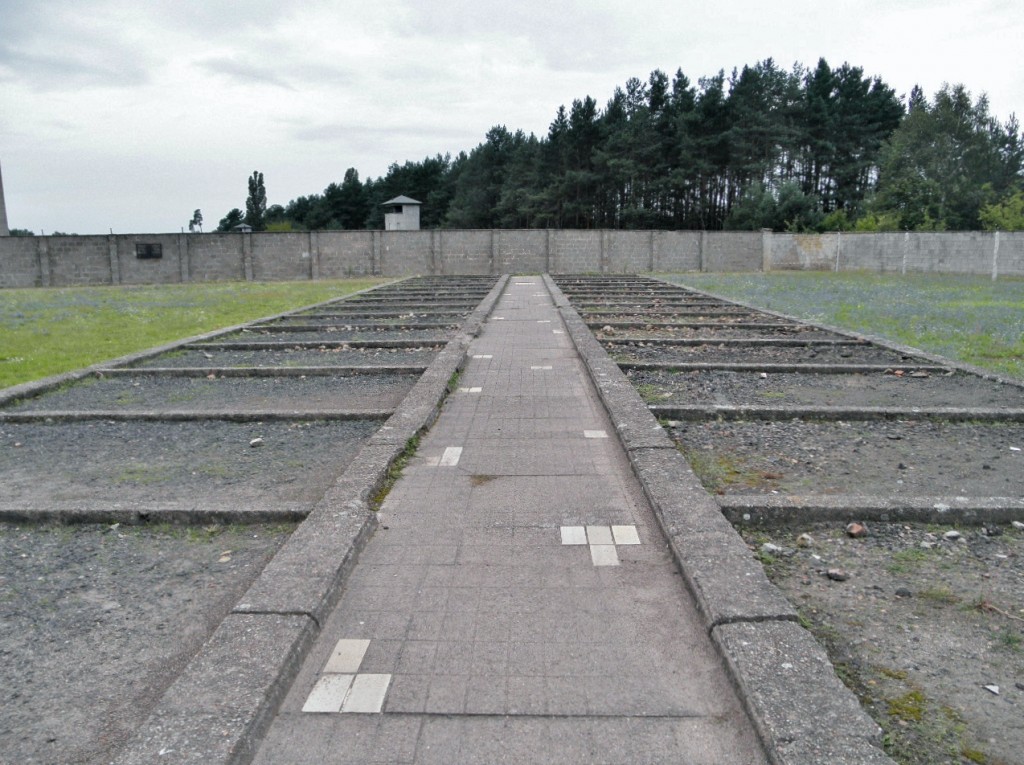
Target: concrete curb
<point>774,510</point>
<point>37,387</point>
<point>219,708</point>
<point>834,413</point>
<point>803,714</point>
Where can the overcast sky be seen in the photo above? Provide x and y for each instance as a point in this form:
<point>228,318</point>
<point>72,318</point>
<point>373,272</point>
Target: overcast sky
<point>130,115</point>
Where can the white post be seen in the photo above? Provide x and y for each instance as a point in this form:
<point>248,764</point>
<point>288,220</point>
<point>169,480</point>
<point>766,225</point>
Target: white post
<point>906,246</point>
<point>995,258</point>
<point>839,248</point>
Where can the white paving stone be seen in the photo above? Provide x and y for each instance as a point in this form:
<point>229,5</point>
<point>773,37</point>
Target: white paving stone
<point>483,356</point>
<point>604,555</point>
<point>328,694</point>
<point>367,694</point>
<point>594,434</point>
<point>470,390</point>
<point>625,535</point>
<point>599,535</point>
<point>574,535</point>
<point>537,369</point>
<point>347,656</point>
<point>451,456</point>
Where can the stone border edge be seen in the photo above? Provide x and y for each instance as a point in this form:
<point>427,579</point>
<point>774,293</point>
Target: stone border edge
<point>221,705</point>
<point>802,712</point>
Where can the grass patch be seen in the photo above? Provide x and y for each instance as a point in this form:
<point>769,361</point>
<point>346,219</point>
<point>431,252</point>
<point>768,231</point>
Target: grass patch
<point>942,596</point>
<point>395,472</point>
<point>49,331</point>
<point>967,318</point>
<point>720,472</point>
<point>906,560</point>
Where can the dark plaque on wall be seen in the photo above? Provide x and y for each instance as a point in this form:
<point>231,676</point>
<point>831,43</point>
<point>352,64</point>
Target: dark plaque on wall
<point>148,251</point>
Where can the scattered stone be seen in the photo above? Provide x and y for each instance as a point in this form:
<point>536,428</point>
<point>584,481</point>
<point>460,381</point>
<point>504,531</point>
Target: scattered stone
<point>926,545</point>
<point>837,575</point>
<point>805,540</point>
<point>952,535</point>
<point>1018,525</point>
<point>1019,686</point>
<point>769,549</point>
<point>903,592</point>
<point>856,530</point>
<point>764,375</point>
<point>992,689</point>
<point>258,441</point>
<point>901,466</point>
<point>608,329</point>
<point>919,374</point>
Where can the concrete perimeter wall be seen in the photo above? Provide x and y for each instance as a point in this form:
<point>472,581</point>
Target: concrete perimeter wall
<point>57,261</point>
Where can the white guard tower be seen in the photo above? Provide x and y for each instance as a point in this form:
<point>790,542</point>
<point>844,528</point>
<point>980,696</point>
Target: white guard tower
<point>402,214</point>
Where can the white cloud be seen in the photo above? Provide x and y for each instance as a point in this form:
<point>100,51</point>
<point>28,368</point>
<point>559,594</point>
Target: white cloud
<point>130,115</point>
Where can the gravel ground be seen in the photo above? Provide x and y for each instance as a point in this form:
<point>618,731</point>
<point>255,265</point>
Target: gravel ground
<point>709,354</point>
<point>786,389</point>
<point>919,628</point>
<point>96,621</point>
<point>724,331</point>
<point>174,465</point>
<point>353,392</point>
<point>878,458</point>
<point>294,357</point>
<point>431,336</point>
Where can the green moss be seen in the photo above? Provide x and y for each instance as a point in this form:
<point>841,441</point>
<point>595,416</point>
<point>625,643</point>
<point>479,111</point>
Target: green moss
<point>909,707</point>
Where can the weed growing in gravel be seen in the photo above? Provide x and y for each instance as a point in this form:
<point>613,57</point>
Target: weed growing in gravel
<point>939,596</point>
<point>906,560</point>
<point>395,472</point>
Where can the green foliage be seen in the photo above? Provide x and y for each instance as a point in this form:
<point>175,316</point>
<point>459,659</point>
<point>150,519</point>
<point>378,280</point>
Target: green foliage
<point>49,331</point>
<point>256,202</point>
<point>196,222</point>
<point>21,232</point>
<point>1006,215</point>
<point>231,220</point>
<point>945,161</point>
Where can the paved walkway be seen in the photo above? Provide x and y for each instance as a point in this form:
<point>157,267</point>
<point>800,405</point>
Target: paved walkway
<point>518,604</point>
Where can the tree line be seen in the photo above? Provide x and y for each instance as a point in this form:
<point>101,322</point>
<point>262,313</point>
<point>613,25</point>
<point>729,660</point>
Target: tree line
<point>816,149</point>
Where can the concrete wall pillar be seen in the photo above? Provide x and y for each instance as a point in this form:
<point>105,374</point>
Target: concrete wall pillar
<point>602,252</point>
<point>247,271</point>
<point>492,259</point>
<point>183,258</point>
<point>995,257</point>
<point>314,256</point>
<point>115,264</point>
<point>766,250</point>
<point>43,263</point>
<point>701,248</point>
<point>375,263</point>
